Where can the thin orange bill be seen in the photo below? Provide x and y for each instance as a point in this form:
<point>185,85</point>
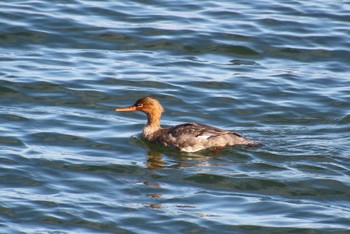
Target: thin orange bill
<point>130,108</point>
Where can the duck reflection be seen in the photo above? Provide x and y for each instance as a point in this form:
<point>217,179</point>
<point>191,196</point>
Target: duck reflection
<point>154,196</point>
<point>158,158</point>
<point>155,161</point>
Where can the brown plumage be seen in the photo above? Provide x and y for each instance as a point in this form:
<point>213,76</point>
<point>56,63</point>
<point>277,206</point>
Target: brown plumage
<point>188,137</point>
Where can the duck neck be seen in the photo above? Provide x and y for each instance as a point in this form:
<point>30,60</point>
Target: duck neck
<point>153,125</point>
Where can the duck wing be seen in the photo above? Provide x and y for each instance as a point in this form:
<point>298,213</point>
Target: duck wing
<point>198,130</point>
<point>191,137</point>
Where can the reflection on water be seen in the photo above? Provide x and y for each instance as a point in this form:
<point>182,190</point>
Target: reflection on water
<point>155,160</point>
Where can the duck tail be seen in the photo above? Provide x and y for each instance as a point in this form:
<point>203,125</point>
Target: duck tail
<point>254,144</point>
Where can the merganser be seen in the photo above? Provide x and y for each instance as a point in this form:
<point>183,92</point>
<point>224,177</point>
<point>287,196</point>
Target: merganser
<point>188,137</point>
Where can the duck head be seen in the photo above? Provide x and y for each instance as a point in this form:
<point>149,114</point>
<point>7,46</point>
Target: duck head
<point>147,105</point>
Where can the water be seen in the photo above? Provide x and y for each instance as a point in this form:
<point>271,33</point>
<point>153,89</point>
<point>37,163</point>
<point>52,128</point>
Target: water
<point>275,71</point>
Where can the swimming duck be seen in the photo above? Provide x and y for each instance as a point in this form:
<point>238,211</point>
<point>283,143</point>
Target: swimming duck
<point>188,137</point>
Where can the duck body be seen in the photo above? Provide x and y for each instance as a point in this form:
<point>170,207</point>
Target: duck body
<point>188,137</point>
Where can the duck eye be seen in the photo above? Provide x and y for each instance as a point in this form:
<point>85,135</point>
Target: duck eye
<point>140,105</point>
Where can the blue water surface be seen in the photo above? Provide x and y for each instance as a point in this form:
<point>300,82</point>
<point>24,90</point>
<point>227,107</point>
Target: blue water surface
<point>275,71</point>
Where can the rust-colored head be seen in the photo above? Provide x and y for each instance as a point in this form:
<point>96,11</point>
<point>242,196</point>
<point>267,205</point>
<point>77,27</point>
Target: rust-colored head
<point>147,105</point>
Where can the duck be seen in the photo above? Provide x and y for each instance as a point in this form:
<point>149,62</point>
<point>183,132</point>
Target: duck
<point>187,137</point>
